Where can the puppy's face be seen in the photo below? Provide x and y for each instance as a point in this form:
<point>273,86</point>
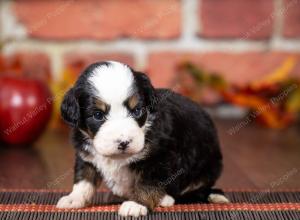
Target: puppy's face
<point>112,106</point>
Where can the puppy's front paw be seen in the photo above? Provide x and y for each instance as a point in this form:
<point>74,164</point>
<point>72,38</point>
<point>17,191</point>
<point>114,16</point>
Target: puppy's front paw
<point>131,208</point>
<point>167,201</point>
<point>217,198</point>
<point>71,201</point>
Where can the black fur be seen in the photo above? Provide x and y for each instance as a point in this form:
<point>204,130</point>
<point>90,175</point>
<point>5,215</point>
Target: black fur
<point>182,141</point>
<point>70,108</point>
<point>184,147</point>
<point>145,88</point>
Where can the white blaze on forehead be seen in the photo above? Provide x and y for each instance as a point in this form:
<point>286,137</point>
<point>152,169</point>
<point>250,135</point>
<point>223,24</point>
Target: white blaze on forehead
<point>113,82</point>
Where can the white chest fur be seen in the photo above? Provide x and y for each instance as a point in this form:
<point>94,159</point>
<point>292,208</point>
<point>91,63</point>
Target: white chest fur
<point>116,174</point>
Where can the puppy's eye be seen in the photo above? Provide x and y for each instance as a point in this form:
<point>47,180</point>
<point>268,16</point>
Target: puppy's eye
<point>99,116</point>
<point>137,112</point>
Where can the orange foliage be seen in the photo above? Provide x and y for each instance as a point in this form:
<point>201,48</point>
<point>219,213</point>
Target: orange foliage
<point>273,100</point>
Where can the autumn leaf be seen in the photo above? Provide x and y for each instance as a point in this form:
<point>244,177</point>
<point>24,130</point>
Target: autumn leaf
<point>279,75</point>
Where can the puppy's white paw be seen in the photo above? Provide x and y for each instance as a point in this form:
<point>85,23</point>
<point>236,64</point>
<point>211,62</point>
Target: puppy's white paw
<point>167,201</point>
<point>217,198</point>
<point>71,201</point>
<point>131,208</point>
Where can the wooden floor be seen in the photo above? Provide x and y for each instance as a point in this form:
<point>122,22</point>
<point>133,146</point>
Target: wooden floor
<point>254,158</point>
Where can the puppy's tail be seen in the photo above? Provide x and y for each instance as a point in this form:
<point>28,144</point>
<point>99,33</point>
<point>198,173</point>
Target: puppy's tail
<point>208,195</point>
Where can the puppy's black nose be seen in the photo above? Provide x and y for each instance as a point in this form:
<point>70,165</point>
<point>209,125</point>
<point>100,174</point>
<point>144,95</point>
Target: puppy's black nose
<point>123,145</point>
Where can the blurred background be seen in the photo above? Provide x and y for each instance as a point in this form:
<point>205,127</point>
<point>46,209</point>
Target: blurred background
<point>240,59</point>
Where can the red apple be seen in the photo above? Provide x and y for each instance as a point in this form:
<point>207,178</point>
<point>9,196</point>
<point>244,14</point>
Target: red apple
<point>25,109</point>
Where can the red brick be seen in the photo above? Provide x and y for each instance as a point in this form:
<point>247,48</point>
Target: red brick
<point>291,11</point>
<point>251,19</point>
<point>35,65</point>
<point>79,60</point>
<point>99,19</point>
<point>238,69</point>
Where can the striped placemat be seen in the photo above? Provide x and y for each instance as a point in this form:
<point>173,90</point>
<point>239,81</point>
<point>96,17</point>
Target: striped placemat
<point>246,204</point>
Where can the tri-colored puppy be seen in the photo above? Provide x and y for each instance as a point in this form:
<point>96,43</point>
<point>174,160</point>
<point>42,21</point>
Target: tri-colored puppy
<point>151,146</point>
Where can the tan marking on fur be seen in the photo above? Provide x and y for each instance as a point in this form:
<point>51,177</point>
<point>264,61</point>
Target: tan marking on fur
<point>101,105</point>
<point>133,101</point>
<point>90,133</point>
<point>192,187</point>
<point>149,196</point>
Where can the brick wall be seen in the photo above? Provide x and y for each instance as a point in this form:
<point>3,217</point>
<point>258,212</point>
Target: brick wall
<point>241,39</point>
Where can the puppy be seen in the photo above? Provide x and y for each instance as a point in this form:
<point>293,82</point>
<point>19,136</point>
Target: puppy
<point>151,146</point>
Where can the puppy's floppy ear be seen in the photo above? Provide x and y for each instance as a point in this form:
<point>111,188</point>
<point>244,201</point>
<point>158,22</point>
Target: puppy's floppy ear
<point>144,84</point>
<point>70,111</point>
